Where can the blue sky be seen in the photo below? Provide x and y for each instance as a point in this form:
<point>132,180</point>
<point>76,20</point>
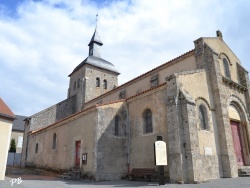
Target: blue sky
<point>42,41</point>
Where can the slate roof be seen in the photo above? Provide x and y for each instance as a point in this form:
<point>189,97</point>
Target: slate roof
<point>5,111</point>
<point>18,124</point>
<point>96,38</point>
<point>97,62</point>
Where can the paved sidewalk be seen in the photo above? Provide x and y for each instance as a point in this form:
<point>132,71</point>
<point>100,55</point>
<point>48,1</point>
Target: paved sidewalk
<point>38,181</point>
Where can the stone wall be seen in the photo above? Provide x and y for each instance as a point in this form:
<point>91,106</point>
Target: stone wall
<point>225,92</point>
<point>81,127</point>
<point>53,114</point>
<point>111,150</point>
<point>91,91</point>
<point>186,140</point>
<point>141,143</point>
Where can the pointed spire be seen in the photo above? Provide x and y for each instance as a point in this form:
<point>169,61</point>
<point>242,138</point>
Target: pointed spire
<point>96,20</point>
<point>95,43</point>
<point>95,38</point>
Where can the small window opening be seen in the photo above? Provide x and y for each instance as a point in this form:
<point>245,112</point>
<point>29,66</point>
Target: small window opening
<point>54,141</point>
<point>203,117</point>
<point>78,83</point>
<point>148,121</point>
<point>117,125</point>
<point>97,82</point>
<point>36,147</point>
<point>226,68</point>
<point>105,84</point>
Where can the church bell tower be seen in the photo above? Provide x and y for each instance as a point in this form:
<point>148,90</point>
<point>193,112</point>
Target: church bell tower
<point>94,76</point>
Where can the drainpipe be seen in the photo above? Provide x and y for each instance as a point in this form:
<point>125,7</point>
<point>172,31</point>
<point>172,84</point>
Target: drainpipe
<point>26,131</point>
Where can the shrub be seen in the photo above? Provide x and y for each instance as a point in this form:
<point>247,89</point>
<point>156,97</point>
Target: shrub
<point>12,146</point>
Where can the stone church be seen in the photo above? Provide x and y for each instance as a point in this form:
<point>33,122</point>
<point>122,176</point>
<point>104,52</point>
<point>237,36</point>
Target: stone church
<point>198,102</point>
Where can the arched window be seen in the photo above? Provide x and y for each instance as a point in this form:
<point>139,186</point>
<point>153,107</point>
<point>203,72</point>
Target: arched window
<point>36,147</point>
<point>117,125</point>
<point>97,82</point>
<point>78,83</point>
<point>54,141</point>
<point>105,84</point>
<point>203,117</point>
<point>226,68</point>
<point>148,121</point>
<point>74,85</point>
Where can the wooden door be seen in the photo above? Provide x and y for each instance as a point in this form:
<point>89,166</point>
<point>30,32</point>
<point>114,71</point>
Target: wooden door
<point>78,155</point>
<point>237,142</point>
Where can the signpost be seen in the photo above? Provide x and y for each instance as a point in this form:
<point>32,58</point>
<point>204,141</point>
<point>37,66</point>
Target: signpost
<point>160,158</point>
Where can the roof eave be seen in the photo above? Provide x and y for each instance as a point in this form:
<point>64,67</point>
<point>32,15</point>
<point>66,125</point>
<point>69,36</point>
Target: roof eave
<point>5,116</point>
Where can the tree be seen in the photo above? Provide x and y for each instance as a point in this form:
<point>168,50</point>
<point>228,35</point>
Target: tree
<point>12,146</point>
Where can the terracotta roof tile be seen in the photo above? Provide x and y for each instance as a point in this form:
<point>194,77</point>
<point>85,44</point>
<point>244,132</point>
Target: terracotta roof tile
<point>94,106</point>
<point>75,114</point>
<point>5,110</point>
<point>146,91</point>
<point>116,101</point>
<point>130,81</point>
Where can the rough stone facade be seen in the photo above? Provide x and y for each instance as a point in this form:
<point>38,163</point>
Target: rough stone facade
<point>111,149</point>
<point>191,101</point>
<point>53,114</point>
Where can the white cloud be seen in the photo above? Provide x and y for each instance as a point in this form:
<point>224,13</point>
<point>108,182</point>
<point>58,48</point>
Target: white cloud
<point>45,40</point>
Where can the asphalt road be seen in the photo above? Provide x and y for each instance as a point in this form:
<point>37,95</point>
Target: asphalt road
<point>33,181</point>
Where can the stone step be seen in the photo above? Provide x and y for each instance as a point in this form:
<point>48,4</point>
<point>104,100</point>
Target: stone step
<point>244,175</point>
<point>244,171</point>
<point>64,177</point>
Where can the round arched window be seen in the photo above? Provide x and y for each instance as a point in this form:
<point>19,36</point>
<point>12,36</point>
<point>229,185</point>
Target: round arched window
<point>203,117</point>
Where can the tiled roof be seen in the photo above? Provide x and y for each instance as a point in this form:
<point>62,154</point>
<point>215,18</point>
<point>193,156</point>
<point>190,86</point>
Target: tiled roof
<point>18,124</point>
<point>97,62</point>
<point>77,113</point>
<point>146,91</point>
<point>97,105</point>
<point>138,77</point>
<point>95,38</point>
<point>111,102</point>
<point>5,111</point>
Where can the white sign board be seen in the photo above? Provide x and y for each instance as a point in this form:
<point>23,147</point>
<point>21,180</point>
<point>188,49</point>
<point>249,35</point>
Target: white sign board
<point>160,153</point>
<point>208,151</point>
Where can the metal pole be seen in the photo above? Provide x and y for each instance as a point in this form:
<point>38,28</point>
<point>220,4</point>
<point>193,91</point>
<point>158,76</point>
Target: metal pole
<point>161,169</point>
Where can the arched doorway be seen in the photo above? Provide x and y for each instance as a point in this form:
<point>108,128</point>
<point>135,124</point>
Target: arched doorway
<point>236,134</point>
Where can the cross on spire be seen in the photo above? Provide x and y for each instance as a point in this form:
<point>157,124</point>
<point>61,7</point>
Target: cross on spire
<point>96,20</point>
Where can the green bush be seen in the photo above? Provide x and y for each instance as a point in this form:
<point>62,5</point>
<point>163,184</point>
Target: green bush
<point>12,146</point>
